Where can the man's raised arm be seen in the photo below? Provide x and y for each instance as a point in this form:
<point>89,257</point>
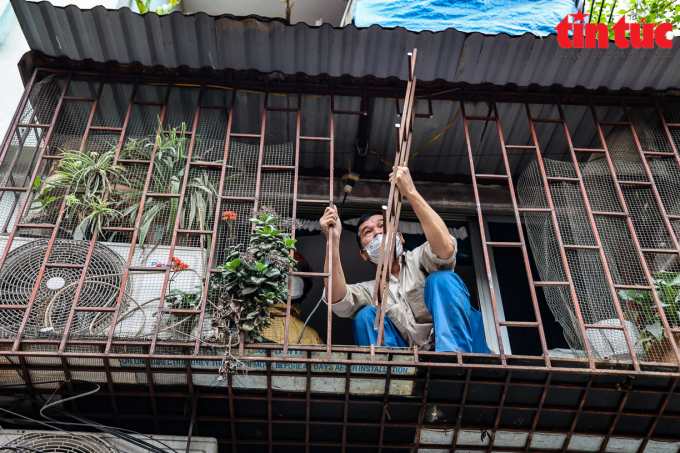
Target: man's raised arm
<point>330,220</point>
<point>436,232</point>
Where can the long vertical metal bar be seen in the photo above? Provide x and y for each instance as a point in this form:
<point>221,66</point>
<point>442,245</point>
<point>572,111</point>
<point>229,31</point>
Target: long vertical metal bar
<point>631,228</point>
<point>178,218</point>
<point>667,132</point>
<point>563,253</point>
<point>39,133</point>
<point>596,234</point>
<point>216,224</point>
<point>286,326</point>
<point>331,171</point>
<point>15,156</point>
<point>36,170</point>
<point>17,116</point>
<point>520,232</point>
<point>258,180</point>
<point>24,204</point>
<point>403,145</point>
<point>650,177</point>
<point>135,233</point>
<point>480,218</point>
<point>121,139</point>
<point>95,234</point>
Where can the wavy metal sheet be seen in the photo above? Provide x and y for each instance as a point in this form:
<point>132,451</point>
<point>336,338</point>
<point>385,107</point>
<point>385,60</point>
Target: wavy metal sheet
<point>227,42</point>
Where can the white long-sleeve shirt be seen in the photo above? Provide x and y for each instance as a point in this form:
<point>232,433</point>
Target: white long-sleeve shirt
<point>405,303</point>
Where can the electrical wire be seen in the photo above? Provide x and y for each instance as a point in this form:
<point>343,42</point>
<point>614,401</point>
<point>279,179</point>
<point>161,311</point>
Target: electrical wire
<point>307,320</point>
<point>422,147</point>
<point>116,432</point>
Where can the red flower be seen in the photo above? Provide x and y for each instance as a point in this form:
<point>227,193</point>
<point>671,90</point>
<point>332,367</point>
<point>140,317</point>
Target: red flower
<point>178,265</point>
<point>229,215</point>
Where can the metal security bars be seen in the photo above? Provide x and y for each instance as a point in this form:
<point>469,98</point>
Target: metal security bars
<point>67,287</point>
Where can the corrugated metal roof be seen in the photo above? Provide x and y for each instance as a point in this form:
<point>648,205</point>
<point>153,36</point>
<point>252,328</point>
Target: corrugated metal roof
<point>227,42</point>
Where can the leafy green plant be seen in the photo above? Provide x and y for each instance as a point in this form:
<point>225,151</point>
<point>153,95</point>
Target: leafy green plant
<point>86,175</point>
<point>163,9</point>
<point>657,11</point>
<point>642,309</point>
<point>167,176</point>
<point>250,283</point>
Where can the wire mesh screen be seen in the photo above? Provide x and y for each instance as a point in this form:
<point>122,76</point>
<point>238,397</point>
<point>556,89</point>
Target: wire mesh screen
<point>593,291</point>
<point>70,271</point>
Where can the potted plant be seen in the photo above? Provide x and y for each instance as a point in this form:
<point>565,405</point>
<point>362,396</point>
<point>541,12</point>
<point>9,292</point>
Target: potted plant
<point>642,311</point>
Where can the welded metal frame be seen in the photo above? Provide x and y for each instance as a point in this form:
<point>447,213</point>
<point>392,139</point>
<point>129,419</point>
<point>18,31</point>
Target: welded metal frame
<point>426,361</point>
<point>402,134</point>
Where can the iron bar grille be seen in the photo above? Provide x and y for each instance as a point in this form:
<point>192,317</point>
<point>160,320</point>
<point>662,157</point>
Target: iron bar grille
<point>601,221</point>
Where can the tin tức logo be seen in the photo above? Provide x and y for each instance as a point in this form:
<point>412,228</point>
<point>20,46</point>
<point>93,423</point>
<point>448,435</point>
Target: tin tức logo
<point>586,35</point>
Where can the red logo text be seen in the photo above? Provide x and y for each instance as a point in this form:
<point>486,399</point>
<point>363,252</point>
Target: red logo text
<point>590,36</point>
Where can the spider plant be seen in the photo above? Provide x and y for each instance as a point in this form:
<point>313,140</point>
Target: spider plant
<point>86,175</point>
<point>167,176</point>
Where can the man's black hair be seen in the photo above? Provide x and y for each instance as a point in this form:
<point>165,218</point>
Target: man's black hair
<point>363,219</point>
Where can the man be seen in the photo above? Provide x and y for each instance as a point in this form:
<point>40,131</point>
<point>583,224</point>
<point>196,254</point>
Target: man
<point>428,305</point>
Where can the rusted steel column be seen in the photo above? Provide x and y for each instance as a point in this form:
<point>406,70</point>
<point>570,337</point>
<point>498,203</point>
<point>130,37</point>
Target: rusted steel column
<point>175,234</point>
<point>404,133</point>
<point>17,116</point>
<point>24,204</point>
<point>135,233</point>
<point>482,232</point>
<point>598,241</point>
<point>258,180</point>
<point>95,235</point>
<point>565,262</point>
<point>523,247</point>
<point>218,207</point>
<point>331,165</point>
<point>286,327</point>
<point>631,227</point>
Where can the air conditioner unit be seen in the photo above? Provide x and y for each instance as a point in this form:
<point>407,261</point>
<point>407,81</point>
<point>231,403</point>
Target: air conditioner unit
<point>54,299</point>
<point>78,442</point>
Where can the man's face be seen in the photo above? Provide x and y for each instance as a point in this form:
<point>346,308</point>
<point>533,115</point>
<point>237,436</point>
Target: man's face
<point>368,230</point>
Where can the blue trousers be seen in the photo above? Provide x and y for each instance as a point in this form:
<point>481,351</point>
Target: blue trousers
<point>456,323</point>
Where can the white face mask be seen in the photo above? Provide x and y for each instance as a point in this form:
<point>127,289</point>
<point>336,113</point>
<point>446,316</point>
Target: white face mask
<point>373,248</point>
<point>297,287</point>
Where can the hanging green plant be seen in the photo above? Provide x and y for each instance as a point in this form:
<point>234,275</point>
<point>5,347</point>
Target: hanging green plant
<point>249,284</point>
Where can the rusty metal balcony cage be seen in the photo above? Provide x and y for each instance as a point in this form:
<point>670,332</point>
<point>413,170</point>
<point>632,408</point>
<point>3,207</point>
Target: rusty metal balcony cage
<point>93,307</point>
